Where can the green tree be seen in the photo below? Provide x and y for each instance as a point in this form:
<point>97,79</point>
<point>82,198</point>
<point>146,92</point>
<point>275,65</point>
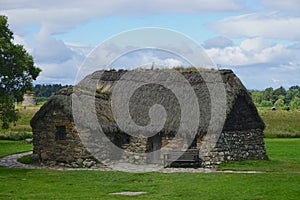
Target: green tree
<point>297,87</point>
<point>268,95</point>
<point>16,73</point>
<point>279,92</point>
<point>257,96</point>
<point>295,103</point>
<point>279,103</point>
<point>265,103</point>
<point>291,94</point>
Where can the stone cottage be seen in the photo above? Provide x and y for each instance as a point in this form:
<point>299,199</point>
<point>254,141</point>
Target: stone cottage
<point>29,99</point>
<point>64,133</point>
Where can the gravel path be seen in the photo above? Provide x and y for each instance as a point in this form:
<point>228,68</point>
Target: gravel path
<point>11,162</point>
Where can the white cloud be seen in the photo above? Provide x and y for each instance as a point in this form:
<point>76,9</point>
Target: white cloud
<point>289,6</point>
<point>51,50</point>
<point>260,64</point>
<point>146,57</point>
<point>60,60</point>
<point>81,49</point>
<point>252,51</point>
<point>59,15</point>
<point>266,25</point>
<point>261,76</point>
<point>162,62</point>
<point>217,42</point>
<point>256,44</point>
<point>64,72</point>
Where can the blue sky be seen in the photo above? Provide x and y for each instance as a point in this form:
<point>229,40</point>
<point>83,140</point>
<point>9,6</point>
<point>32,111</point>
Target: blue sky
<point>259,40</point>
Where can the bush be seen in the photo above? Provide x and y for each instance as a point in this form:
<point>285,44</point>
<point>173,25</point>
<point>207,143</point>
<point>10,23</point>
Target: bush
<point>285,107</point>
<point>265,103</point>
<point>15,136</point>
<point>295,103</point>
<point>279,103</point>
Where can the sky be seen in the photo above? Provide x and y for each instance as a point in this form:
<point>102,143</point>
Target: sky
<point>259,39</point>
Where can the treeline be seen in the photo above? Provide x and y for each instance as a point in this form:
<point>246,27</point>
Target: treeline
<point>43,92</point>
<point>279,98</point>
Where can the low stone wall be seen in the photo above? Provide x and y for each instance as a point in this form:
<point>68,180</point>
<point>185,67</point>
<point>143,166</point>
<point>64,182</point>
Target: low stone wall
<point>236,145</point>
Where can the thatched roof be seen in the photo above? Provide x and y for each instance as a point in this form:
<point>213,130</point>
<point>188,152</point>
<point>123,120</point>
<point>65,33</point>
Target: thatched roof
<point>96,91</point>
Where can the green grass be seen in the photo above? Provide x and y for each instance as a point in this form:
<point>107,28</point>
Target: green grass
<point>51,184</point>
<point>281,182</point>
<point>283,153</point>
<point>280,123</point>
<point>11,147</point>
<point>26,159</point>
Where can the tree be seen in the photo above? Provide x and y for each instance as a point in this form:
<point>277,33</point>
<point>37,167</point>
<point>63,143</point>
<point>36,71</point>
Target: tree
<point>297,87</point>
<point>279,103</point>
<point>295,103</point>
<point>279,92</point>
<point>47,90</point>
<point>265,103</point>
<point>16,73</point>
<point>268,95</point>
<point>257,96</point>
<point>291,94</point>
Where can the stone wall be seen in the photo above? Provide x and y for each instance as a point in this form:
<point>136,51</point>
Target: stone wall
<point>50,150</point>
<point>135,151</point>
<point>29,100</point>
<point>236,145</point>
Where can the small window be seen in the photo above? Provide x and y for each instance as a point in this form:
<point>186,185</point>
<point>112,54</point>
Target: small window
<point>127,139</point>
<point>61,133</point>
<point>193,144</point>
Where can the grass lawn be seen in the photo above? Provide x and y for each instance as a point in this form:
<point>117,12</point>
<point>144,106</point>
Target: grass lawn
<point>8,147</point>
<point>50,184</point>
<point>281,182</point>
<point>53,184</point>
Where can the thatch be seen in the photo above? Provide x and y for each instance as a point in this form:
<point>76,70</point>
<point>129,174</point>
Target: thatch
<point>96,88</point>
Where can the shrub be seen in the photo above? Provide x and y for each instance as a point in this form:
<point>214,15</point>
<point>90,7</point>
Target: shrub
<point>265,103</point>
<point>279,103</point>
<point>285,107</point>
<point>295,103</point>
<point>15,136</point>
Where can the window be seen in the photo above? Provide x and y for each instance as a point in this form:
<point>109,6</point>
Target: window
<point>127,139</point>
<point>61,133</point>
<point>193,144</point>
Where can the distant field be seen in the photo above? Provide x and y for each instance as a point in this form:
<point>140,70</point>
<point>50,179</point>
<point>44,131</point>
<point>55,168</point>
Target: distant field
<point>280,122</point>
<point>21,129</point>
